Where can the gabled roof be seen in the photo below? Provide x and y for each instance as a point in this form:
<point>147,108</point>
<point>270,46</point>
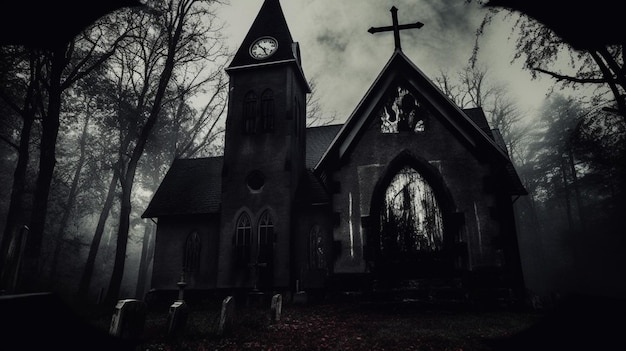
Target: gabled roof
<point>399,67</point>
<point>470,125</point>
<point>194,186</point>
<point>312,191</point>
<point>270,21</point>
<point>191,186</point>
<point>318,140</point>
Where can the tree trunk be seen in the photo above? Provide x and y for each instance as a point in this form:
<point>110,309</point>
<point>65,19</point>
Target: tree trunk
<point>122,240</point>
<point>16,217</point>
<point>85,280</point>
<point>71,200</point>
<point>129,177</point>
<point>47,161</point>
<point>142,278</point>
<point>17,214</point>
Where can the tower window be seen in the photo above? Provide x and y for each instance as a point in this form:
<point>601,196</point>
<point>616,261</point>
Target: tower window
<point>266,237</point>
<point>267,111</point>
<point>249,113</point>
<point>243,239</point>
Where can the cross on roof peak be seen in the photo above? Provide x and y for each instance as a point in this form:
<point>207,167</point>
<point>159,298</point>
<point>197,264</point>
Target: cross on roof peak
<point>396,28</point>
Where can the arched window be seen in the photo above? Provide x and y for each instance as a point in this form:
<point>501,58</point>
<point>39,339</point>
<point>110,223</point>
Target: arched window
<point>266,237</point>
<point>267,110</point>
<point>317,252</point>
<point>191,255</point>
<point>243,239</point>
<point>411,219</point>
<point>249,113</point>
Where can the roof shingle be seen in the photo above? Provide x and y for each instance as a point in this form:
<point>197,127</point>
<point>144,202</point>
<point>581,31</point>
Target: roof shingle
<point>191,186</point>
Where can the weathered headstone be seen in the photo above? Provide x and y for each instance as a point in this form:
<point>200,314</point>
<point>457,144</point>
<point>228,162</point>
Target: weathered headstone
<point>128,319</point>
<point>300,297</point>
<point>177,318</point>
<point>276,307</point>
<point>179,311</point>
<point>227,315</point>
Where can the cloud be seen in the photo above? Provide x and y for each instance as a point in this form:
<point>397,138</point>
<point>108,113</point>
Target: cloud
<point>332,40</point>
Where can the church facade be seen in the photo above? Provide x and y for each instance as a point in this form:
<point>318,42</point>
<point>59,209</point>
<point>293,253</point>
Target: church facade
<point>410,187</point>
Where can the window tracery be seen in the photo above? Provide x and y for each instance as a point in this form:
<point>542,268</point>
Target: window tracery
<point>402,112</point>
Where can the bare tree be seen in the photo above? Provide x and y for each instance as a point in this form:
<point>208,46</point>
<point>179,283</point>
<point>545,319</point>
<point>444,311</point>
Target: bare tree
<point>314,111</point>
<point>474,87</point>
<point>172,40</point>
<point>569,57</point>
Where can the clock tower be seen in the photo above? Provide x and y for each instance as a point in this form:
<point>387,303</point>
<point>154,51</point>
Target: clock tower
<point>264,155</point>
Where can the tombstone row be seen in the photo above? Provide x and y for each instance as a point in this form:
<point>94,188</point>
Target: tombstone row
<point>129,317</point>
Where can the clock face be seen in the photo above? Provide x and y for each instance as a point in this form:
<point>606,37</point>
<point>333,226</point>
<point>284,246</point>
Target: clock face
<point>263,48</point>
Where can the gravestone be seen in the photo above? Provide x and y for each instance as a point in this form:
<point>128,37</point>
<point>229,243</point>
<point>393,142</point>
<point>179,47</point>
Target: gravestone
<point>300,297</point>
<point>177,318</point>
<point>128,319</point>
<point>276,307</point>
<point>227,315</point>
<point>179,311</point>
<point>46,321</point>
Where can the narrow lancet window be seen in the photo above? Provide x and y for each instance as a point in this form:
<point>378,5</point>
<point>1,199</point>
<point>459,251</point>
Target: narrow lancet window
<point>249,113</point>
<point>266,237</point>
<point>267,111</point>
<point>191,255</point>
<point>243,239</point>
<point>317,252</point>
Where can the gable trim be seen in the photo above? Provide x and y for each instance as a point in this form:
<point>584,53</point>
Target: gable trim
<point>441,104</point>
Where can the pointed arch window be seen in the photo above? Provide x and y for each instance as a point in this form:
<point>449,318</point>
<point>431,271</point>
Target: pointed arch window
<point>243,239</point>
<point>267,111</point>
<point>249,113</point>
<point>266,237</point>
<point>317,254</point>
<point>191,255</point>
<point>411,218</point>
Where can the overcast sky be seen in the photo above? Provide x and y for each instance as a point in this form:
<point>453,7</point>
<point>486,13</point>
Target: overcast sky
<point>344,59</point>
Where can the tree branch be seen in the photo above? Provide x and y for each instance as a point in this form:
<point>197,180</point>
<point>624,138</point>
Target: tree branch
<point>562,77</point>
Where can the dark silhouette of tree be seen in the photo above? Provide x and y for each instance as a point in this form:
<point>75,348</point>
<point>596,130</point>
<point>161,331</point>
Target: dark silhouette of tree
<point>473,86</point>
<point>171,41</point>
<point>587,38</point>
<point>41,24</point>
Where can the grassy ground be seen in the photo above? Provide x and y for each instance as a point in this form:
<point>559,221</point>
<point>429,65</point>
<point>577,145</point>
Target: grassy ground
<point>341,326</point>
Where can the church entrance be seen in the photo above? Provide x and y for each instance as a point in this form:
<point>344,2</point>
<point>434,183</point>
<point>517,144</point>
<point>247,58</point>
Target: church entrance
<point>409,234</point>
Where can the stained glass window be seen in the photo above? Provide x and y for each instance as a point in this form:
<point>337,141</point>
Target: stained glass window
<point>411,219</point>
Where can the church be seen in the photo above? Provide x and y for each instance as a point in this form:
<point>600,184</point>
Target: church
<point>410,188</point>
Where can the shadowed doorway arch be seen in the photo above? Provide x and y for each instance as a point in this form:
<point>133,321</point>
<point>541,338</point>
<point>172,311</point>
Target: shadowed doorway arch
<point>410,233</point>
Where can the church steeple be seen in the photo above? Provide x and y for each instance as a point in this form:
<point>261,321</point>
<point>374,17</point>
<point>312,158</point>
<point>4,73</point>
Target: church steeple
<point>264,153</point>
<point>270,24</point>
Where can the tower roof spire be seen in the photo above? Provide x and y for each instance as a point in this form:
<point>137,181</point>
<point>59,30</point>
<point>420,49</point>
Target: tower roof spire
<point>269,22</point>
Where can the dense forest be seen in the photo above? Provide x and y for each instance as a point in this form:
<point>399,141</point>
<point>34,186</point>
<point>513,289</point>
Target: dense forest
<point>90,126</point>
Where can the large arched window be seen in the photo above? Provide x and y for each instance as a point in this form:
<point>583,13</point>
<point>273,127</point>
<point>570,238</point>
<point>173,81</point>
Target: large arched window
<point>249,113</point>
<point>191,255</point>
<point>267,111</point>
<point>317,252</point>
<point>411,218</point>
<point>266,237</point>
<point>243,239</point>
